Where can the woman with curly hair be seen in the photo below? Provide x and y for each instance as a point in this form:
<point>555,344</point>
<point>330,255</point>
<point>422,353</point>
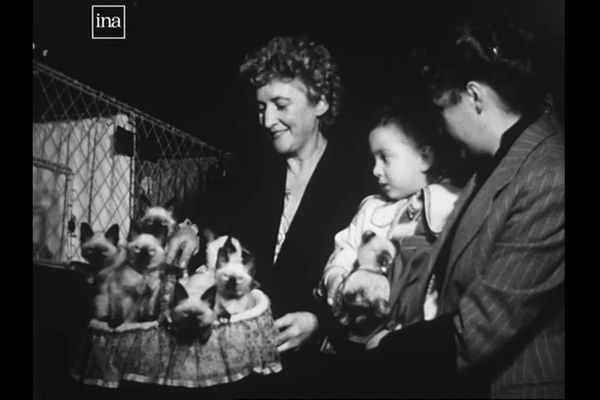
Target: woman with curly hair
<point>306,192</point>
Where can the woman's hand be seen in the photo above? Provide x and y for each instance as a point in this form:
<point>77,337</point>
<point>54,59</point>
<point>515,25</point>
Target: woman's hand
<point>295,329</point>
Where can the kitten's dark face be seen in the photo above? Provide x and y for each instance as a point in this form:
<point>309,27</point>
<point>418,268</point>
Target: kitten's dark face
<point>98,250</point>
<point>97,247</point>
<point>153,219</point>
<point>196,312</point>
<point>145,252</point>
<point>156,219</point>
<point>194,315</point>
<point>376,251</point>
<point>233,280</point>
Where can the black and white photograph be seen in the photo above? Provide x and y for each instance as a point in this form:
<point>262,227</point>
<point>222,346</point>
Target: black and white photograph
<point>298,200</point>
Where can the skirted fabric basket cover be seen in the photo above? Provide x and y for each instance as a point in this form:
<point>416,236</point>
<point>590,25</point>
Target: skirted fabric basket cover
<point>148,353</point>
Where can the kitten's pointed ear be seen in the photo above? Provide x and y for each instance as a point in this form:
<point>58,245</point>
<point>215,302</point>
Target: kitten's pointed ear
<point>180,293</point>
<point>170,205</point>
<point>368,235</point>
<point>209,235</point>
<point>85,232</point>
<point>249,261</point>
<point>112,234</point>
<point>143,205</point>
<point>222,257</point>
<point>210,296</point>
<point>228,246</point>
<point>134,230</point>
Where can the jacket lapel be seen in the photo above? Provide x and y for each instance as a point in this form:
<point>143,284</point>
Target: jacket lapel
<point>481,206</point>
<point>303,219</point>
<point>274,205</point>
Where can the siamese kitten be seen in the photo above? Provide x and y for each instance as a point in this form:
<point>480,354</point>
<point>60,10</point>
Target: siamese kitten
<point>154,218</point>
<point>100,250</point>
<point>234,275</point>
<point>104,255</point>
<point>366,291</point>
<point>193,312</point>
<point>134,287</point>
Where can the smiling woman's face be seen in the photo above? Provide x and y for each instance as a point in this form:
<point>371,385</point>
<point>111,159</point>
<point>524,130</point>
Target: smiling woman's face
<point>286,112</point>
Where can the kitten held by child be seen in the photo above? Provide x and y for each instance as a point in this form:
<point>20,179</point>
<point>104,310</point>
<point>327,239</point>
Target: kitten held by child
<point>414,167</point>
<point>363,299</point>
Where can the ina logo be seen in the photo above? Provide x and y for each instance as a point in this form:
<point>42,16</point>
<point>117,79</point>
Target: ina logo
<point>108,22</point>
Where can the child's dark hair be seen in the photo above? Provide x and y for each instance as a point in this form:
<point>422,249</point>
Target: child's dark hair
<point>423,126</point>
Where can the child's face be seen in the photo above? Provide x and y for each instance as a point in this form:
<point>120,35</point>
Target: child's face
<point>400,168</point>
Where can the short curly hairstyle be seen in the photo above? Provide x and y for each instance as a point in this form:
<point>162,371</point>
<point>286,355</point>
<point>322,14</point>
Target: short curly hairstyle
<point>297,58</point>
<point>496,51</point>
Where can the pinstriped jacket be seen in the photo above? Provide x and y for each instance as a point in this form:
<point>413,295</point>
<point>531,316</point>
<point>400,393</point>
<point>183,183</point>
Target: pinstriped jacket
<point>504,277</point>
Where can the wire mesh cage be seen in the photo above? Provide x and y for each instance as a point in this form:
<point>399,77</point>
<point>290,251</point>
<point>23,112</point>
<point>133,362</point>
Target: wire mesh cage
<point>94,155</point>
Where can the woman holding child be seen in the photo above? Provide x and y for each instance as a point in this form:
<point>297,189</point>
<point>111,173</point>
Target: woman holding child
<point>309,190</point>
<point>496,274</point>
<point>418,171</point>
<point>420,175</point>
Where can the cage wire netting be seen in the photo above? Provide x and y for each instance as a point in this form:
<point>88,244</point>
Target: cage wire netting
<point>94,155</point>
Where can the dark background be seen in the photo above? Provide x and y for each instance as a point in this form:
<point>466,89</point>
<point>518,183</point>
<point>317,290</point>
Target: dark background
<point>179,63</point>
<point>180,59</point>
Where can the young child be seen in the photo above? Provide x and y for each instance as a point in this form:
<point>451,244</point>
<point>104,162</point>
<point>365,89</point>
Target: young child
<point>412,160</point>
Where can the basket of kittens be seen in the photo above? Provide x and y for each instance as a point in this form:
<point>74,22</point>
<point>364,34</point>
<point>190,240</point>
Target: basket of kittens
<point>379,295</point>
<point>155,322</point>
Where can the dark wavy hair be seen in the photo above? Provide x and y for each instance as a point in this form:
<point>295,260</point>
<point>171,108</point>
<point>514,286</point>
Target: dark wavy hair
<point>297,58</point>
<point>493,50</point>
<point>420,122</point>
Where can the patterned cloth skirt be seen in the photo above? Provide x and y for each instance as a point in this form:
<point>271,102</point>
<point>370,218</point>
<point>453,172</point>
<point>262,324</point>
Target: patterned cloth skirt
<point>148,353</point>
